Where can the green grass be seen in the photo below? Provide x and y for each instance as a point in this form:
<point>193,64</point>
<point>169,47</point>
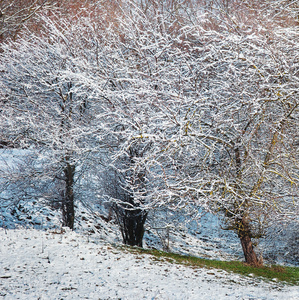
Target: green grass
<point>289,275</point>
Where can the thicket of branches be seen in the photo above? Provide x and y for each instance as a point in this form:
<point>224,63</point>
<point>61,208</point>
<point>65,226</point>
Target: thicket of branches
<point>179,103</point>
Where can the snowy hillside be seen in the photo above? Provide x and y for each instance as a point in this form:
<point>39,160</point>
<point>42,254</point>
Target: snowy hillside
<point>36,264</point>
<point>202,238</point>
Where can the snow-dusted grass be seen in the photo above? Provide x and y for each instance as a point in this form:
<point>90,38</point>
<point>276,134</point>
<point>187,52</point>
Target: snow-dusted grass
<point>36,264</point>
<point>286,274</point>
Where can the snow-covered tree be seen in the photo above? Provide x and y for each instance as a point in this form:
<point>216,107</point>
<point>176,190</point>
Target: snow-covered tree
<point>139,62</point>
<point>236,150</point>
<point>14,14</point>
<point>17,14</point>
<point>185,102</point>
<point>45,107</point>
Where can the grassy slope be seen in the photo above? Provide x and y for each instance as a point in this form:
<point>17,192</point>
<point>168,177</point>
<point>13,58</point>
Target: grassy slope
<point>289,275</point>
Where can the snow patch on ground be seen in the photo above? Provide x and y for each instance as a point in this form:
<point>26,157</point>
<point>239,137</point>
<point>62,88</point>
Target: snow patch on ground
<point>37,264</point>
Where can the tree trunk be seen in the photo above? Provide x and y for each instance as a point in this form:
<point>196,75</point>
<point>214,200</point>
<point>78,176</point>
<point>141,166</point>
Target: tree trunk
<point>131,224</point>
<point>68,209</point>
<point>250,255</point>
<point>246,242</point>
<point>134,229</point>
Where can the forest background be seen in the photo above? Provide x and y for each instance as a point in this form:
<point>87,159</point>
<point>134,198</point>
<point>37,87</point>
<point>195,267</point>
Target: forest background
<point>145,109</point>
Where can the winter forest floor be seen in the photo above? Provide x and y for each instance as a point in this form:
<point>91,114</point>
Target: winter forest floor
<point>38,264</point>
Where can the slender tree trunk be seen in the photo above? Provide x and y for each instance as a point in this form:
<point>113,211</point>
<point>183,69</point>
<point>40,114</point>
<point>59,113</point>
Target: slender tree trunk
<point>68,209</point>
<point>242,224</point>
<point>246,242</point>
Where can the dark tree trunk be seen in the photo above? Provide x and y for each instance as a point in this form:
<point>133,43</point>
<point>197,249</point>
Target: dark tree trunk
<point>68,209</point>
<point>130,217</point>
<point>246,242</point>
<point>133,230</point>
<point>131,223</point>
